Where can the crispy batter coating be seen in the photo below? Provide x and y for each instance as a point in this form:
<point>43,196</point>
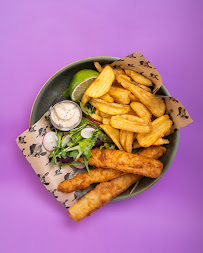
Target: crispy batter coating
<point>101,195</point>
<point>152,152</point>
<point>126,162</point>
<point>105,192</point>
<point>83,180</point>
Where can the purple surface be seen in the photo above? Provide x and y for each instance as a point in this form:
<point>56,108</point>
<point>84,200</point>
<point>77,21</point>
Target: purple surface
<point>40,37</point>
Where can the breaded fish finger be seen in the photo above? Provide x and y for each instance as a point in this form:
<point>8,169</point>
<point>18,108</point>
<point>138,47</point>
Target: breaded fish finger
<point>101,195</point>
<point>105,192</point>
<point>83,180</point>
<point>126,162</point>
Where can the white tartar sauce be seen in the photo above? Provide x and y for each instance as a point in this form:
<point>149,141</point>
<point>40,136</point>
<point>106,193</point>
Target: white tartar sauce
<point>65,114</point>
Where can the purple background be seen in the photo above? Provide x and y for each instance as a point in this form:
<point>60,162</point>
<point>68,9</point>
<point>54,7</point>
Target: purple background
<point>39,37</point>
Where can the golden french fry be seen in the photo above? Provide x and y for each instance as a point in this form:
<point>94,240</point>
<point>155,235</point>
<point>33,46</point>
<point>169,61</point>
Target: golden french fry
<point>143,87</point>
<point>161,141</point>
<point>120,95</point>
<point>131,112</point>
<point>133,98</point>
<point>123,138</point>
<point>85,99</point>
<point>102,83</point>
<point>155,105</point>
<point>119,72</point>
<point>105,115</point>
<point>97,112</point>
<point>136,145</point>
<point>138,77</point>
<point>96,117</point>
<point>129,142</point>
<point>141,110</point>
<point>106,97</point>
<point>113,134</point>
<point>109,108</point>
<point>159,127</point>
<point>134,118</point>
<point>141,126</point>
<point>98,66</point>
<point>158,142</point>
<point>106,121</point>
<point>135,137</point>
<point>168,132</point>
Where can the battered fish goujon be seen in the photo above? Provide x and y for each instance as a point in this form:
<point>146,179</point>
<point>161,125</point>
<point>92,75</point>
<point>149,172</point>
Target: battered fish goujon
<point>99,175</point>
<point>126,162</point>
<point>105,192</point>
<point>101,195</point>
<point>83,180</point>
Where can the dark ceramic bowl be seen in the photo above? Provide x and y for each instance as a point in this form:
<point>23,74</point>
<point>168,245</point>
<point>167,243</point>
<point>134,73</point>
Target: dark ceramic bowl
<point>54,88</point>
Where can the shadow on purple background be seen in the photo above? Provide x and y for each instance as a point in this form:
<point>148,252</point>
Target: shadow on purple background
<point>40,37</point>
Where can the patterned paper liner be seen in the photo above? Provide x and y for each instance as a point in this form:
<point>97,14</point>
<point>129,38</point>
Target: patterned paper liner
<point>30,142</point>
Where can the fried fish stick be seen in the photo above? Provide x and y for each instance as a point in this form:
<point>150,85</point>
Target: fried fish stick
<point>99,175</point>
<point>83,180</point>
<point>126,162</point>
<point>101,195</point>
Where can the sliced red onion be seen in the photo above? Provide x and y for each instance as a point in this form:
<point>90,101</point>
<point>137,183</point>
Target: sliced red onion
<point>65,160</point>
<point>98,143</point>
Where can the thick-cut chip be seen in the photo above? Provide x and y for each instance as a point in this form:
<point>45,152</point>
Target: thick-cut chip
<point>131,112</point>
<point>120,95</point>
<point>158,142</point>
<point>156,105</point>
<point>133,98</point>
<point>135,136</point>
<point>129,141</point>
<point>85,99</point>
<point>168,132</point>
<point>136,144</point>
<point>113,134</point>
<point>142,87</point>
<point>102,83</point>
<point>98,66</point>
<point>159,127</point>
<point>96,117</point>
<point>101,195</point>
<point>127,162</point>
<point>139,126</point>
<point>105,115</point>
<point>161,141</point>
<point>83,180</point>
<point>106,121</point>
<point>109,108</point>
<point>141,110</point>
<point>97,112</point>
<point>138,77</point>
<point>119,72</point>
<point>123,134</point>
<point>106,97</point>
<point>134,118</point>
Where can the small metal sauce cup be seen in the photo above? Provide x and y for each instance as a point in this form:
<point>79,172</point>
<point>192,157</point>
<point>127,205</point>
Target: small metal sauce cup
<point>65,128</point>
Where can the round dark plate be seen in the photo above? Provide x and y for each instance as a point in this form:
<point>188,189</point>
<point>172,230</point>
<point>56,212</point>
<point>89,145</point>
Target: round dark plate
<point>54,88</point>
